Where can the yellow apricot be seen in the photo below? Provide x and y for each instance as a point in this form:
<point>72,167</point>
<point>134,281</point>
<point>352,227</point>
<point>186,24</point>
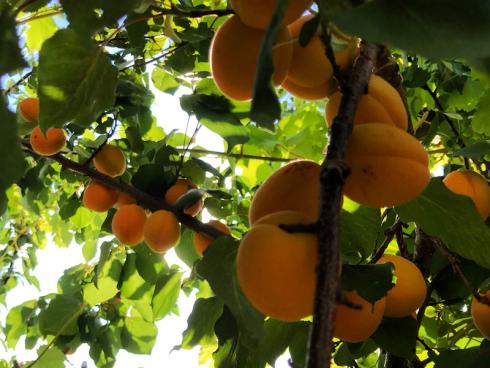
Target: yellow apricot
<point>388,166</point>
<point>473,185</point>
<point>128,224</point>
<point>356,325</point>
<point>309,93</point>
<point>410,289</point>
<point>276,270</point>
<point>202,241</point>
<point>29,109</point>
<point>49,144</point>
<point>295,187</point>
<point>382,104</point>
<point>98,197</point>
<point>233,57</point>
<point>124,198</point>
<point>480,313</point>
<point>258,13</point>
<point>110,160</point>
<point>161,231</point>
<point>310,69</point>
<point>182,186</point>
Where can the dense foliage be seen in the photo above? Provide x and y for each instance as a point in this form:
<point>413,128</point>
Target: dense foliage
<point>92,65</point>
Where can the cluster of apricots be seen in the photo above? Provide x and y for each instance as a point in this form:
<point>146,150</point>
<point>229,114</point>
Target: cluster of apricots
<point>131,223</point>
<point>43,144</point>
<point>276,268</point>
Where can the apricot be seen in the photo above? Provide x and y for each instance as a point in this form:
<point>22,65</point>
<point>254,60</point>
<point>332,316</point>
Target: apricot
<point>99,197</point>
<point>388,166</point>
<point>310,69</point>
<point>161,231</point>
<point>128,224</point>
<point>382,104</point>
<point>356,325</point>
<point>410,289</point>
<point>233,57</point>
<point>124,198</point>
<point>202,241</point>
<point>473,185</point>
<point>49,144</point>
<point>276,269</point>
<point>309,93</point>
<point>480,313</point>
<point>182,186</point>
<point>258,13</point>
<point>110,160</point>
<point>29,109</point>
<point>295,187</point>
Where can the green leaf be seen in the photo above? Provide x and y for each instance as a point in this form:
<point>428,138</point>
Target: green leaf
<point>12,164</point>
<point>452,218</point>
<point>371,282</point>
<point>423,27</point>
<point>61,316</point>
<point>76,80</point>
<point>185,249</point>
<point>480,118</point>
<point>218,268</point>
<point>472,357</point>
<point>214,112</point>
<point>16,322</point>
<point>105,252</point>
<point>38,31</point>
<point>149,264</point>
<point>201,321</point>
<point>397,336</point>
<point>152,179</point>
<point>91,15</point>
<point>166,293</point>
<point>138,336</point>
<point>475,151</point>
<point>359,231</point>
<point>53,358</point>
<point>265,108</point>
<point>10,57</point>
<point>164,81</point>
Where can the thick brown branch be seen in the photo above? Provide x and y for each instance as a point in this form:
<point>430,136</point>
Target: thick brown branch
<point>332,179</point>
<point>145,200</point>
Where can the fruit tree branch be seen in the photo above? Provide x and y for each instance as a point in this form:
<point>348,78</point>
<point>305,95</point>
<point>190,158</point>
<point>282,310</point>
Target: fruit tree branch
<point>332,178</point>
<point>144,199</point>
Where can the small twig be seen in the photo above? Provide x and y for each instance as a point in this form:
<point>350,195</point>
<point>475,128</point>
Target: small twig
<point>389,235</point>
<point>326,38</point>
<point>156,58</point>
<point>24,5</point>
<point>234,155</point>
<point>402,245</point>
<point>16,84</point>
<point>193,13</point>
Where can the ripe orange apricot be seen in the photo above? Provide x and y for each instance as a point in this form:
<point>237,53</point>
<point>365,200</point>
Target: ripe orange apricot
<point>356,325</point>
<point>233,57</point>
<point>110,160</point>
<point>382,104</point>
<point>480,313</point>
<point>29,109</point>
<point>202,241</point>
<point>258,13</point>
<point>388,166</point>
<point>49,144</point>
<point>98,197</point>
<point>161,231</point>
<point>295,187</point>
<point>128,224</point>
<point>310,69</point>
<point>276,269</point>
<point>310,93</point>
<point>410,289</point>
<point>182,186</point>
<point>124,198</point>
<point>473,185</point>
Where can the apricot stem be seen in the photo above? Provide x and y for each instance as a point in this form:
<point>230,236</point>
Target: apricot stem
<point>332,180</point>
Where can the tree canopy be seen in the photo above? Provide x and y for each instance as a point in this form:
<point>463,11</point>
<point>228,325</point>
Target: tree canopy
<point>84,71</point>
